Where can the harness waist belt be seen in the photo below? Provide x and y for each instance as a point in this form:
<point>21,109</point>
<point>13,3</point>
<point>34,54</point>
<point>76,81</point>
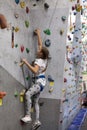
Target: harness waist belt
<point>41,76</point>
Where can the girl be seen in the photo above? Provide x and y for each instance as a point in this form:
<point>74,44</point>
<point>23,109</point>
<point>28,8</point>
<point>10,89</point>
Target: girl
<point>39,68</point>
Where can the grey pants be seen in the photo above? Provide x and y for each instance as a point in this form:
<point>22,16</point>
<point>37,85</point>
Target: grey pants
<point>33,91</point>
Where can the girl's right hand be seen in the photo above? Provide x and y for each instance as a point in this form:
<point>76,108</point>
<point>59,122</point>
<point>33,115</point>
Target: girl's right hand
<point>37,31</point>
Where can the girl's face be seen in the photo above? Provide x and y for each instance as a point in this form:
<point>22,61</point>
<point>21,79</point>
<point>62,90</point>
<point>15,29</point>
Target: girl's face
<point>39,54</point>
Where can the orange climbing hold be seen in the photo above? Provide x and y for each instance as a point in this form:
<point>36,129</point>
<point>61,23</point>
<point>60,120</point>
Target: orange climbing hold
<point>2,94</point>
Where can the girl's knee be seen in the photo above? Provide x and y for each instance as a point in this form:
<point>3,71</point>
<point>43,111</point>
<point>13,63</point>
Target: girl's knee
<point>27,94</point>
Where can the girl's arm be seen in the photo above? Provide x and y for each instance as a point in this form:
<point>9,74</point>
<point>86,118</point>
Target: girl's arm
<point>37,31</point>
<point>34,69</point>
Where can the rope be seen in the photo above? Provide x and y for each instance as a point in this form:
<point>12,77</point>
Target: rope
<point>52,16</point>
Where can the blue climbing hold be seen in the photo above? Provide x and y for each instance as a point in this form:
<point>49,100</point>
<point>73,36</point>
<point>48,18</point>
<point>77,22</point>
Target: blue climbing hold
<point>17,1</point>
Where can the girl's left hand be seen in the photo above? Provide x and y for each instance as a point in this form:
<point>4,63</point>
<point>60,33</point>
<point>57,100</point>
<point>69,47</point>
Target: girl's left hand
<point>24,60</point>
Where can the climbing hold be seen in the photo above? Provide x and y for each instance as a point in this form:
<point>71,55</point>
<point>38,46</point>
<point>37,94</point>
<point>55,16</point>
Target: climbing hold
<point>65,69</point>
<point>27,9</point>
<point>1,102</point>
<point>50,78</point>
<point>51,89</point>
<point>2,94</point>
<point>69,38</point>
<point>22,48</point>
<point>22,95</point>
<point>75,13</point>
<point>78,8</point>
<point>63,90</point>
<point>16,94</point>
<point>63,18</point>
<point>27,24</point>
<point>65,100</point>
<point>46,5</point>
<point>34,4</point>
<point>17,1</point>
<point>61,121</point>
<point>22,4</point>
<point>16,45</point>
<point>47,43</point>
<point>16,29</point>
<point>73,8</point>
<point>15,62</point>
<point>41,103</point>
<point>65,80</point>
<point>27,50</point>
<point>47,31</point>
<point>61,32</point>
<point>27,78</point>
<point>16,15</point>
<point>51,84</point>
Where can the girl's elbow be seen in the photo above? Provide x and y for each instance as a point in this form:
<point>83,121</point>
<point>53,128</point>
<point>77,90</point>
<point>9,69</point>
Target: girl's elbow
<point>35,71</point>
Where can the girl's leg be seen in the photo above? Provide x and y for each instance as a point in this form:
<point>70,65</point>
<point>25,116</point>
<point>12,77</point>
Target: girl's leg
<point>35,89</point>
<point>32,91</point>
<point>37,123</point>
<point>36,102</point>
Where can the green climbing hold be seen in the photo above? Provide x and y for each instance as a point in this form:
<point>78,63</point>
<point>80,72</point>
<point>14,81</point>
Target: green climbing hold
<point>27,50</point>
<point>16,45</point>
<point>16,94</point>
<point>27,78</point>
<point>27,24</point>
<point>47,31</point>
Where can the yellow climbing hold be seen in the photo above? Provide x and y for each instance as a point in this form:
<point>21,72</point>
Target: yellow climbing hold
<point>22,96</point>
<point>51,83</point>
<point>0,101</point>
<point>22,4</point>
<point>78,8</point>
<point>16,29</point>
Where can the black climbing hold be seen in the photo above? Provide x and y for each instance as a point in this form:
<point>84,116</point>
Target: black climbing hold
<point>63,18</point>
<point>47,43</point>
<point>50,78</point>
<point>46,5</point>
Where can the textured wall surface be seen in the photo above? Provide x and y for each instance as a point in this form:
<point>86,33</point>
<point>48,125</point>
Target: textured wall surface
<point>37,17</point>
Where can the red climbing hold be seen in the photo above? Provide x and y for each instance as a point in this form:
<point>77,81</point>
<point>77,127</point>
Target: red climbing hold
<point>22,48</point>
<point>27,9</point>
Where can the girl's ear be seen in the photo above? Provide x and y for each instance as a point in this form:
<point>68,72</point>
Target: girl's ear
<point>3,22</point>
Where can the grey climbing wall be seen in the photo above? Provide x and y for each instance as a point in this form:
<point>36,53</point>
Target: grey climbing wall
<point>12,109</point>
<point>24,39</point>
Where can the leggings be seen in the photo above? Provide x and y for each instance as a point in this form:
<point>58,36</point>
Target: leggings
<point>33,91</point>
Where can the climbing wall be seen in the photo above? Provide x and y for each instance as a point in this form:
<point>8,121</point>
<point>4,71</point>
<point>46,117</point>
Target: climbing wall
<point>84,47</point>
<point>18,41</point>
<point>25,17</point>
<point>71,92</point>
